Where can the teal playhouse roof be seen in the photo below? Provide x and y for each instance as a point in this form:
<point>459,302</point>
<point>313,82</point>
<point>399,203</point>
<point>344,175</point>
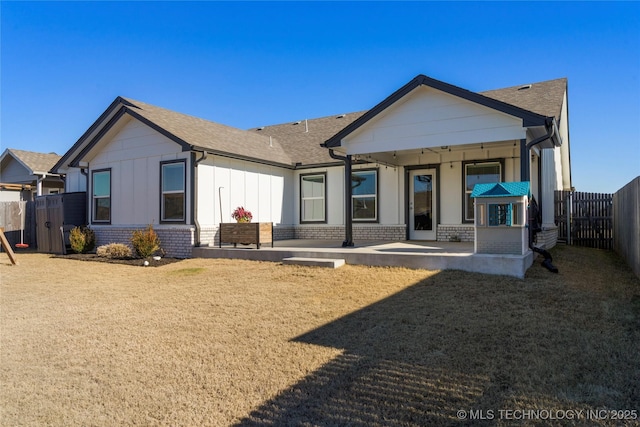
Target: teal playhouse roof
<point>502,189</point>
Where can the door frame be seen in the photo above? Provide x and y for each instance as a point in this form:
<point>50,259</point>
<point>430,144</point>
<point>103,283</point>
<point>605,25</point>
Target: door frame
<point>407,196</point>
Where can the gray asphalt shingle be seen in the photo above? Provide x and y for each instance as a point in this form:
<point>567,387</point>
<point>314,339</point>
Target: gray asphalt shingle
<point>36,162</point>
<point>299,142</point>
<point>204,134</point>
<point>543,98</point>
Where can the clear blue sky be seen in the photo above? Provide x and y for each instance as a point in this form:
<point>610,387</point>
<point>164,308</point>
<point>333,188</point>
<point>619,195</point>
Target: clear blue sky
<point>251,64</point>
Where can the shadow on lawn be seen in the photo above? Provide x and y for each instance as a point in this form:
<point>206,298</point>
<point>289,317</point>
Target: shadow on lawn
<point>448,344</point>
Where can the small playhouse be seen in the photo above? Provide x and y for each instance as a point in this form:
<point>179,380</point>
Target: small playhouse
<point>501,218</point>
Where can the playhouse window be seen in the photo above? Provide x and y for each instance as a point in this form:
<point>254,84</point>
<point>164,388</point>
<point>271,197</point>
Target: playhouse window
<point>481,215</point>
<point>516,208</point>
<point>312,198</point>
<point>173,200</point>
<point>500,214</point>
<point>507,214</point>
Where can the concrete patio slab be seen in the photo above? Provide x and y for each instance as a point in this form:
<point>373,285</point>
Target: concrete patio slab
<point>315,262</point>
<point>409,254</point>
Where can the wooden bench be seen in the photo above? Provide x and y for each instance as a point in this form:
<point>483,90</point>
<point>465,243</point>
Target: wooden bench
<point>246,233</point>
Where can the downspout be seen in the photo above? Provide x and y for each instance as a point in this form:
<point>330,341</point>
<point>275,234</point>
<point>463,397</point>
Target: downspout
<point>526,148</point>
<point>194,192</point>
<point>533,212</point>
<point>348,200</point>
<point>87,211</point>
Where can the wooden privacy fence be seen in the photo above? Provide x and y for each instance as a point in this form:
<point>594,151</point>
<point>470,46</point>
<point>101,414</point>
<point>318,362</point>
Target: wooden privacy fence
<point>626,223</point>
<point>53,213</point>
<point>18,220</point>
<point>585,219</point>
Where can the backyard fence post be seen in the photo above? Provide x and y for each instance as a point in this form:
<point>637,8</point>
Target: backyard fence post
<point>568,206</point>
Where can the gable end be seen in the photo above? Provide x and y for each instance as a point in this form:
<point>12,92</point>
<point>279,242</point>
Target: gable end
<point>529,118</point>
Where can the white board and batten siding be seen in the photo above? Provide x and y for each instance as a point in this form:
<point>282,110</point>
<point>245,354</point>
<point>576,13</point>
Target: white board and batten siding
<point>389,193</point>
<point>427,118</point>
<point>75,181</point>
<point>551,181</point>
<point>334,193</point>
<point>134,155</point>
<point>225,184</point>
<point>562,153</point>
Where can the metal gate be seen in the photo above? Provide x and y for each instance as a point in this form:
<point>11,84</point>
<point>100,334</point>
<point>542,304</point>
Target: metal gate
<point>585,219</point>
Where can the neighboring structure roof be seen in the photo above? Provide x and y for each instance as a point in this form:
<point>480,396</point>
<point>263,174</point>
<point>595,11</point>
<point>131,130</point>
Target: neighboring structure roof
<point>35,163</point>
<point>502,189</point>
<point>544,98</point>
<point>302,139</point>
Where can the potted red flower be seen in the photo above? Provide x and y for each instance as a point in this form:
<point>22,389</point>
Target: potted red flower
<point>242,215</point>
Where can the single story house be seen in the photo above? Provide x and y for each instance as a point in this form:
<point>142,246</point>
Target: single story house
<point>31,171</point>
<point>403,170</point>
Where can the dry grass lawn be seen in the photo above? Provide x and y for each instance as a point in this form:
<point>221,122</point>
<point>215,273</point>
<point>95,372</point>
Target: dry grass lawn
<point>217,342</point>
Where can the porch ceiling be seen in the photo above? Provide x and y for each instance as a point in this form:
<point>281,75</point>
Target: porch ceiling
<point>443,154</point>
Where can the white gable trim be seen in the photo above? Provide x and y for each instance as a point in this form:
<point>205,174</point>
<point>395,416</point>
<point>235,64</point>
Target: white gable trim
<point>427,117</point>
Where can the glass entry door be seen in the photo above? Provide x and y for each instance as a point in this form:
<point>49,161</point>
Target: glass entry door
<point>422,205</point>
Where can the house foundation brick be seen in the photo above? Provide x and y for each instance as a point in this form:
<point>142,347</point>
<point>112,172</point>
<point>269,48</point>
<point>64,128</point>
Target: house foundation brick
<point>210,236</point>
<point>175,241</point>
<point>360,232</point>
<point>284,232</point>
<point>548,237</point>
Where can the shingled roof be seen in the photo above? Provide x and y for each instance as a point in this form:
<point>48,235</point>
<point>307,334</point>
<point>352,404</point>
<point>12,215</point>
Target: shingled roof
<point>543,98</point>
<point>302,139</point>
<point>295,143</point>
<point>35,163</point>
<point>200,134</point>
<point>491,99</point>
<point>300,142</point>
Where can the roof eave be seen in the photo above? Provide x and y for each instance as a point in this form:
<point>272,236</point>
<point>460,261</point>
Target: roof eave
<point>126,109</point>
<point>300,166</point>
<point>184,144</point>
<point>529,118</point>
<point>241,157</point>
<point>119,101</point>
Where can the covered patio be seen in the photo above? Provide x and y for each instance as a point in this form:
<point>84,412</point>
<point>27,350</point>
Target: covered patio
<point>410,254</point>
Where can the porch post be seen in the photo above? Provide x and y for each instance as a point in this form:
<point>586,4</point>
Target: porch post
<point>524,161</point>
<point>39,190</point>
<point>348,200</point>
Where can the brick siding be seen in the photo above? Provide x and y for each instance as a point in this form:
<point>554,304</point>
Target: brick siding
<point>455,233</point>
<point>547,238</point>
<point>175,241</point>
